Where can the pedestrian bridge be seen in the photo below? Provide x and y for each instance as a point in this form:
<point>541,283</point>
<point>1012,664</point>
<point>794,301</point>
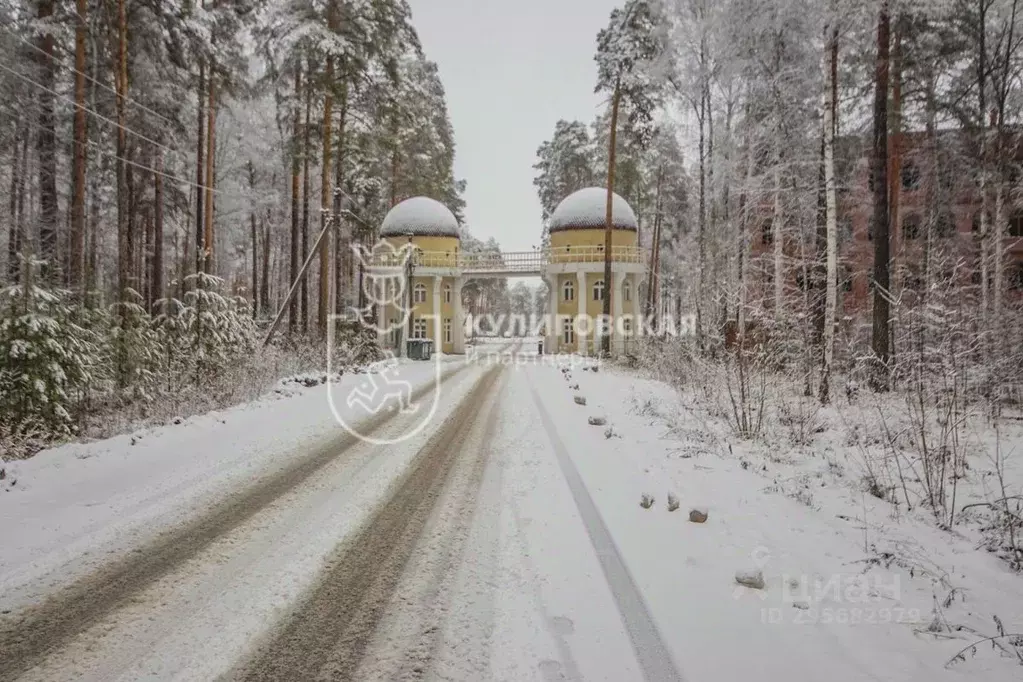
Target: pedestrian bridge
<point>509,263</point>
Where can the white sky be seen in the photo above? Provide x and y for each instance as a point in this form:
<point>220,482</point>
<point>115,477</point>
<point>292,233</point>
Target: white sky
<point>511,69</point>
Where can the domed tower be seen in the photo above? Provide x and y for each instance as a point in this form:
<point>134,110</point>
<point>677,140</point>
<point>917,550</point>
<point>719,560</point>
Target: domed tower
<point>435,289</point>
<point>575,272</point>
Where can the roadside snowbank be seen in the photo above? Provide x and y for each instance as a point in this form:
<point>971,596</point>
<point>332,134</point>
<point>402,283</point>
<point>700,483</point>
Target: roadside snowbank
<point>851,590</point>
<point>76,505</point>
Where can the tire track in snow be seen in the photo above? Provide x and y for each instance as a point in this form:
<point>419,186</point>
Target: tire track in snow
<point>407,641</point>
<point>651,653</point>
<point>327,635</point>
<point>31,634</point>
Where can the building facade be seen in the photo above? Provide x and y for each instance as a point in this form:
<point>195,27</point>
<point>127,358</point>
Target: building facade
<point>430,283</point>
<point>574,273</point>
<point>936,197</point>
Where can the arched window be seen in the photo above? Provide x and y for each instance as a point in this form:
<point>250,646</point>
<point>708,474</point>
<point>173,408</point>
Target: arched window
<point>627,290</point>
<point>911,226</point>
<point>447,293</point>
<point>419,293</point>
<point>568,291</point>
<point>910,176</point>
<point>598,290</point>
<point>1016,223</point>
<point>944,225</point>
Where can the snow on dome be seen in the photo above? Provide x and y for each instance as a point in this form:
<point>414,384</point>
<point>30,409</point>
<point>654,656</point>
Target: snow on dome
<point>587,208</point>
<point>420,216</point>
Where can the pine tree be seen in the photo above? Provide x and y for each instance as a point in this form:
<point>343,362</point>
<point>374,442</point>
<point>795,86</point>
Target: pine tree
<point>46,359</point>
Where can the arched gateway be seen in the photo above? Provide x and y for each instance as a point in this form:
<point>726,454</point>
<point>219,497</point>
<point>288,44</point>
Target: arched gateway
<point>430,284</point>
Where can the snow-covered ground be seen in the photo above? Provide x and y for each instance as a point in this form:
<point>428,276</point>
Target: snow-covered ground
<point>69,508</point>
<point>541,566</point>
<point>851,591</point>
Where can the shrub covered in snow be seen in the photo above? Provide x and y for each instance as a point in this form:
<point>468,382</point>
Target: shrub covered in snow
<point>46,360</point>
<point>207,334</point>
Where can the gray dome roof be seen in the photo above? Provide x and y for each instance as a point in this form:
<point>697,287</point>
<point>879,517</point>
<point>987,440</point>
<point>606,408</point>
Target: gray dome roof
<point>587,209</point>
<point>420,216</point>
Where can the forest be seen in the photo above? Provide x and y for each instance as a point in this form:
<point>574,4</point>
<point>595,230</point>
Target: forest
<point>167,167</point>
<point>840,178</point>
<point>832,191</point>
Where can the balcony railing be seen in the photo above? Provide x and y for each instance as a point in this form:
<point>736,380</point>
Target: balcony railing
<point>511,261</point>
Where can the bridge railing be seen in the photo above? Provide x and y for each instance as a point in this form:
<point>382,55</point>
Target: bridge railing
<point>594,254</point>
<point>512,261</point>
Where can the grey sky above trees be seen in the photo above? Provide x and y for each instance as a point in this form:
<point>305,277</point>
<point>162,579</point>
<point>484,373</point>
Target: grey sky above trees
<point>510,70</point>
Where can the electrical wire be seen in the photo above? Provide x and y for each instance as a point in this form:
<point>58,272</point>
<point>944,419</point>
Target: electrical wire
<point>93,145</point>
<point>91,111</point>
<point>90,78</point>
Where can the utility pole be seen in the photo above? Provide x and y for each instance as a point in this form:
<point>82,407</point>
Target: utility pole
<point>409,269</point>
<point>328,225</point>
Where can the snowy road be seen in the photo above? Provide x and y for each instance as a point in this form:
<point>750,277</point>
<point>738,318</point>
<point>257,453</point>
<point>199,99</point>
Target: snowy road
<point>353,561</point>
<point>502,542</point>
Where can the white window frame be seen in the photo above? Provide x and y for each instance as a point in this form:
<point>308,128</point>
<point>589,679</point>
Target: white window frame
<point>568,332</point>
<point>568,291</point>
<point>448,337</point>
<point>419,328</point>
<point>598,290</point>
<point>447,293</point>
<point>627,290</point>
<point>419,293</point>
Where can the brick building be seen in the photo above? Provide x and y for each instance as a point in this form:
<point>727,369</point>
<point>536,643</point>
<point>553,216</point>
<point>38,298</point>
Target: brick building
<point>951,190</point>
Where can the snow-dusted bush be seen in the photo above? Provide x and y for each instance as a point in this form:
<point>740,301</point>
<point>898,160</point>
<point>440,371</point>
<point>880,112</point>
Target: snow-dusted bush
<point>46,360</point>
<point>135,349</point>
<point>206,335</point>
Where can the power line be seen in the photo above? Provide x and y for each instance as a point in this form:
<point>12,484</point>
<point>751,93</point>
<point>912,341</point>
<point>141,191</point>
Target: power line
<point>91,111</point>
<point>92,144</point>
<point>91,79</point>
<point>126,128</point>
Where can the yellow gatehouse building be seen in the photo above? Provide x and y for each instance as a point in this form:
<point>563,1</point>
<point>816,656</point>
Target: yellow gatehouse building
<point>574,272</point>
<point>435,288</point>
<point>572,265</point>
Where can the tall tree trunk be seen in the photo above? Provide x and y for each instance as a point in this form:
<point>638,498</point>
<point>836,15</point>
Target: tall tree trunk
<point>306,189</point>
<point>985,226</point>
<point>605,338</point>
<point>701,251</point>
<point>133,223</point>
<point>211,148</point>
<point>14,238</point>
<point>394,158</point>
<point>264,285</point>
<point>147,239</point>
<point>124,255</point>
<point>655,248</point>
<point>778,241</point>
<point>77,255</point>
<point>92,269</point>
<point>293,308</point>
<point>156,287</point>
<point>882,309</point>
<point>46,148</point>
<point>255,242</point>
<point>1001,231</point>
<point>325,197</point>
<point>340,240</point>
<point>831,198</point>
<point>895,179</point>
<point>200,165</point>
